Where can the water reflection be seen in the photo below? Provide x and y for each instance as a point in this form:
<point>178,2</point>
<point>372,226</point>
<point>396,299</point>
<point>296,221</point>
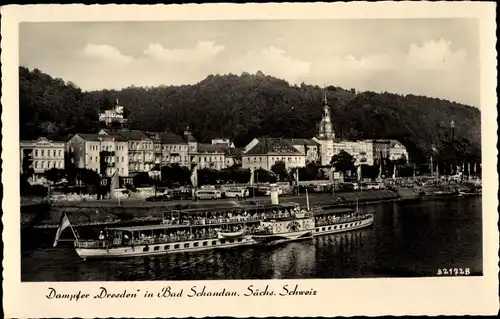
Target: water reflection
<point>411,239</point>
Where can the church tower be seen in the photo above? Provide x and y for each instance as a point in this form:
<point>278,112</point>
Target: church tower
<point>325,126</point>
<point>326,135</point>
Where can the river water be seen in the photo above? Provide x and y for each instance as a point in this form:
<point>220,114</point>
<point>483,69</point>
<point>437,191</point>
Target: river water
<point>407,240</point>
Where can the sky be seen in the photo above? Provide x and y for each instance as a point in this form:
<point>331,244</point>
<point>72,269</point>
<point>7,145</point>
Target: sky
<point>432,57</point>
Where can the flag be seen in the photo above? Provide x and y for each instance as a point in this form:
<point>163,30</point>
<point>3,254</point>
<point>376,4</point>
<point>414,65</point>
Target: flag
<point>62,226</point>
<point>194,177</point>
<point>252,176</point>
<point>359,173</point>
<point>115,183</point>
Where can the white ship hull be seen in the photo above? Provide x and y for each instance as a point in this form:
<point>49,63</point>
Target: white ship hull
<point>273,239</point>
<point>163,249</point>
<point>342,227</point>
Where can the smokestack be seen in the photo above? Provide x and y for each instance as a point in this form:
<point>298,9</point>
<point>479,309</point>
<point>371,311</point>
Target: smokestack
<point>274,194</point>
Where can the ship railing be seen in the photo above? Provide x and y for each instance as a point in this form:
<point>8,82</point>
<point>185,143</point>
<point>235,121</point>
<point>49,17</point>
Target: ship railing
<point>341,220</point>
<point>168,239</point>
<point>100,243</point>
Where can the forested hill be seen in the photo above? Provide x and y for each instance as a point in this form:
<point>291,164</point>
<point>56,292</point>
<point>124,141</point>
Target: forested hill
<point>246,106</point>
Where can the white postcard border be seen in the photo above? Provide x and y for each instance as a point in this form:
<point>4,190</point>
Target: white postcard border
<point>335,297</point>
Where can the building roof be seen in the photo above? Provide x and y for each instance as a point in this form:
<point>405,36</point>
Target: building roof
<point>268,145</point>
<point>230,151</point>
<point>128,134</point>
<point>97,137</point>
<point>209,148</point>
<point>171,138</point>
<point>302,141</point>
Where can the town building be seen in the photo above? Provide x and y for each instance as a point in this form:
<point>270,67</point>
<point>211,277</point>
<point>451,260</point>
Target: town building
<point>326,136</point>
<point>265,152</point>
<point>102,153</point>
<point>115,114</point>
<point>222,142</point>
<point>40,155</point>
<point>209,156</point>
<point>307,146</point>
<point>141,152</point>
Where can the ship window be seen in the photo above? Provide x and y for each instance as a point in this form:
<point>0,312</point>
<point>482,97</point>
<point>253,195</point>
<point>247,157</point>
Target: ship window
<point>334,227</point>
<point>329,228</point>
<point>196,244</point>
<point>231,241</point>
<point>223,241</point>
<point>205,243</point>
<point>145,248</point>
<point>240,240</point>
<point>157,248</point>
<point>340,226</point>
<point>186,245</point>
<point>214,242</point>
<point>323,228</point>
<point>317,229</point>
<point>166,247</point>
<point>176,246</point>
<point>350,224</point>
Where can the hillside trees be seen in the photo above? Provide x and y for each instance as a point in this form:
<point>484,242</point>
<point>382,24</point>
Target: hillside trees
<point>246,106</point>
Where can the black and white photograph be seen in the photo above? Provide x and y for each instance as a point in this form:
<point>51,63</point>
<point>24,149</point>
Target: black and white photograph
<point>233,149</point>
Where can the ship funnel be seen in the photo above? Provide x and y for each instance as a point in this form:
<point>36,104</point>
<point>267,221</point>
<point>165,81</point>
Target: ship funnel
<point>274,194</point>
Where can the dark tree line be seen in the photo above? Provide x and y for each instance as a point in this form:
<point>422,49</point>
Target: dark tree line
<point>246,106</point>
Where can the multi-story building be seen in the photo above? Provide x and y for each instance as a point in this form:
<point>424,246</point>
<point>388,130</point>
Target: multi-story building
<point>307,146</point>
<point>397,150</point>
<point>265,152</point>
<point>101,153</point>
<point>362,151</point>
<point>141,152</point>
<point>113,115</point>
<point>222,142</point>
<point>210,156</point>
<point>39,156</point>
<point>175,150</point>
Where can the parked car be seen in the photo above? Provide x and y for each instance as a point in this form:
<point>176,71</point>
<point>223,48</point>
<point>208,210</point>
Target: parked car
<point>236,193</point>
<point>208,194</point>
<point>159,198</point>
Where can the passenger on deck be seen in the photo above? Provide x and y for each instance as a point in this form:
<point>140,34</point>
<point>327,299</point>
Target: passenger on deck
<point>101,236</point>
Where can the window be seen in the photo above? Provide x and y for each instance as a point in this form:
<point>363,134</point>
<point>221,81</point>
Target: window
<point>323,228</point>
<point>176,246</point>
<point>214,242</point>
<point>42,152</point>
<point>329,228</point>
<point>240,240</point>
<point>166,247</point>
<point>222,241</point>
<point>317,229</point>
<point>145,248</point>
<point>196,244</point>
<point>36,152</point>
<point>36,164</point>
<point>157,248</point>
<point>205,243</point>
<point>59,153</point>
<point>231,241</point>
<point>186,245</point>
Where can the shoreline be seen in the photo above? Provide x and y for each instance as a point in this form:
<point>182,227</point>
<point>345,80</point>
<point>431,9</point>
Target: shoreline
<point>117,218</point>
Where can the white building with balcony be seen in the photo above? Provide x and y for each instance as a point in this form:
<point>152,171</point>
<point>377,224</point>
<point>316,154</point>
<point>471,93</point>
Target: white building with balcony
<point>39,156</point>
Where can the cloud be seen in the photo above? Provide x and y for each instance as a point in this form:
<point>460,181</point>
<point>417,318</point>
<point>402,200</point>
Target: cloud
<point>430,68</point>
<point>273,61</point>
<point>203,51</point>
<point>106,52</point>
<point>434,55</point>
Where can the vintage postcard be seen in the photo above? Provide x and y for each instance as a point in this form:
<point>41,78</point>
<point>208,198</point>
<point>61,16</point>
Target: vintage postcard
<point>250,160</point>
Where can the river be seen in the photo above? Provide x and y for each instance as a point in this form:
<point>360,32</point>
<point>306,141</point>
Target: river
<point>407,240</point>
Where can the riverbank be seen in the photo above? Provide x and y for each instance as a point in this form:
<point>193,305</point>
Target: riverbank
<point>109,212</point>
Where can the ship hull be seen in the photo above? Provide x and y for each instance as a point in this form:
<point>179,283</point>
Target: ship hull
<point>283,237</point>
<point>342,227</point>
<point>163,248</point>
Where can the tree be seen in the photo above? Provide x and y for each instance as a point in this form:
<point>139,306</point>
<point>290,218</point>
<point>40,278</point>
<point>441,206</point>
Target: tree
<point>175,175</point>
<point>370,171</point>
<point>142,178</point>
<point>343,162</point>
<point>310,172</point>
<point>54,175</point>
<point>279,168</point>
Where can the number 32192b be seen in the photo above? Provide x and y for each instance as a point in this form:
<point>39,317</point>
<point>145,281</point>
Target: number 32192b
<point>453,271</point>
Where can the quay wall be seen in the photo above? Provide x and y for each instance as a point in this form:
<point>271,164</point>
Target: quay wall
<point>110,213</point>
